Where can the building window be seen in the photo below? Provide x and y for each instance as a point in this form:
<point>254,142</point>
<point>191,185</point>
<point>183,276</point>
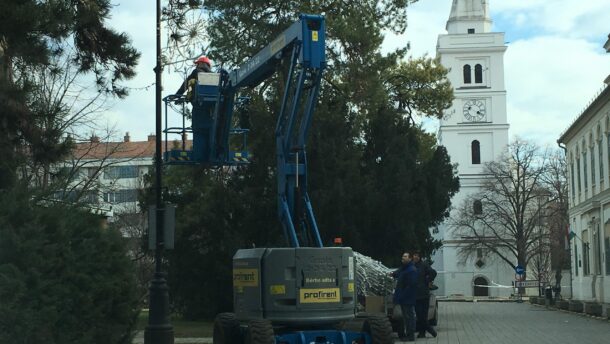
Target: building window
<point>592,168</point>
<point>88,197</point>
<point>121,196</point>
<point>585,253</point>
<point>470,31</point>
<point>585,175</point>
<point>66,196</point>
<point>91,197</point>
<point>475,150</point>
<point>69,174</point>
<point>572,179</point>
<point>119,172</point>
<point>578,176</point>
<point>478,74</point>
<point>608,146</point>
<point>467,77</point>
<point>477,207</point>
<point>92,172</point>
<point>607,246</point>
<point>480,263</point>
<point>600,151</point>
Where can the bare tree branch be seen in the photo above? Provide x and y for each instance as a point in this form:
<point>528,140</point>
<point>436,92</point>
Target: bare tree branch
<point>519,192</point>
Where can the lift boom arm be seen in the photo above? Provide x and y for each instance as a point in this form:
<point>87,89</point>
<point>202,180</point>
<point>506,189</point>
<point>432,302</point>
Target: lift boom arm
<point>214,99</point>
<point>304,43</point>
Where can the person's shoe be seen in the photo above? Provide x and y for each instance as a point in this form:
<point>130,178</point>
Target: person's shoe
<point>432,332</point>
<point>421,335</point>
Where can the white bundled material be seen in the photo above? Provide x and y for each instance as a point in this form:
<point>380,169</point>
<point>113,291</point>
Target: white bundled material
<point>372,277</point>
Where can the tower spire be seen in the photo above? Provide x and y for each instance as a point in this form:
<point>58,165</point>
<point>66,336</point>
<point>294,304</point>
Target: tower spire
<point>469,16</point>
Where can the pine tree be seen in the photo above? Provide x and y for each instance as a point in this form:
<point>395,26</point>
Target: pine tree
<point>31,33</point>
<point>64,278</point>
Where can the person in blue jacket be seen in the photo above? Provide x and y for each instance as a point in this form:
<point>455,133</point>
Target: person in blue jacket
<point>404,295</point>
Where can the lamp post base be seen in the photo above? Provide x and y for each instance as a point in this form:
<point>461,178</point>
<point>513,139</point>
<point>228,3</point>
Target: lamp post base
<point>159,330</point>
<point>159,335</point>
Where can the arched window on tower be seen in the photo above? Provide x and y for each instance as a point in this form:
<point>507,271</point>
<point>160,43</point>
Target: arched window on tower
<point>478,74</point>
<point>467,76</point>
<point>477,207</point>
<point>475,150</point>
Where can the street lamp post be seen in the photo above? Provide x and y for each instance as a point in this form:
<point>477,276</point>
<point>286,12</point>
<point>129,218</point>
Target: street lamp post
<point>159,330</point>
<point>541,195</point>
<point>539,248</point>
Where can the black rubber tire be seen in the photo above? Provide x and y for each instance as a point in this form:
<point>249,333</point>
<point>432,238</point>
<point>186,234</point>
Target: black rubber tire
<point>379,328</point>
<point>260,331</point>
<point>226,329</point>
<point>434,321</point>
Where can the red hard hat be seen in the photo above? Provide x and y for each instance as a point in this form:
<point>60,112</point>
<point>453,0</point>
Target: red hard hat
<point>203,59</point>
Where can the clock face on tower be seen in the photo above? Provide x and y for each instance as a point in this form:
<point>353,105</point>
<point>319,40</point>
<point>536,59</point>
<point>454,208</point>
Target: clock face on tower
<point>474,110</point>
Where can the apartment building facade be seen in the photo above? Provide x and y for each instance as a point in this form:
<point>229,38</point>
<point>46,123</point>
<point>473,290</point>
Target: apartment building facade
<point>587,145</point>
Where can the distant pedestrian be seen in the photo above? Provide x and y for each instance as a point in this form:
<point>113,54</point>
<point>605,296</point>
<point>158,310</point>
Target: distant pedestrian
<point>557,288</point>
<point>425,278</point>
<point>404,295</point>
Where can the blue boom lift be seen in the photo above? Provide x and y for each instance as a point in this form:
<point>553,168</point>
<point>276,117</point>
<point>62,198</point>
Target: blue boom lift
<point>304,293</point>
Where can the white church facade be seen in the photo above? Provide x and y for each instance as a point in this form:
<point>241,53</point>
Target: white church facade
<point>474,131</point>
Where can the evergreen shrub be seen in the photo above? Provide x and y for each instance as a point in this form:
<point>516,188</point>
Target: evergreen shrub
<point>64,278</point>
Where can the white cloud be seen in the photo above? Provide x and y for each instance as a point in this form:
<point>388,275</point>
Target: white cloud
<point>549,80</point>
<point>573,18</point>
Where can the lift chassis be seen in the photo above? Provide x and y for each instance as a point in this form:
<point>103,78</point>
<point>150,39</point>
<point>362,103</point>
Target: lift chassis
<point>303,293</point>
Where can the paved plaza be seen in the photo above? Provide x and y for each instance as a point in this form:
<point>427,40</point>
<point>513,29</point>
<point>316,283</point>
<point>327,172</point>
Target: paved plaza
<point>499,323</point>
<point>514,323</point>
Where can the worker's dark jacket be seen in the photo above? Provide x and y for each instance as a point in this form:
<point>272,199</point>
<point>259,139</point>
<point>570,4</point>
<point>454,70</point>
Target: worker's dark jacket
<point>406,285</point>
<point>192,76</point>
<point>425,275</point>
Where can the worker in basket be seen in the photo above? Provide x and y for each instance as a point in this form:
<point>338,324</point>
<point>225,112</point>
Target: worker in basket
<point>203,64</point>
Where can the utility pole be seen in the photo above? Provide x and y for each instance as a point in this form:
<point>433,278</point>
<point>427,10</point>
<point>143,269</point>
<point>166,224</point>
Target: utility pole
<point>159,330</point>
<point>539,258</point>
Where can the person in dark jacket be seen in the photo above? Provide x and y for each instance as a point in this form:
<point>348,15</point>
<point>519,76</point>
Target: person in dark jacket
<point>425,277</point>
<point>203,64</point>
<point>404,295</point>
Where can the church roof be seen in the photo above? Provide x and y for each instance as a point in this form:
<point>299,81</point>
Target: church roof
<point>469,10</point>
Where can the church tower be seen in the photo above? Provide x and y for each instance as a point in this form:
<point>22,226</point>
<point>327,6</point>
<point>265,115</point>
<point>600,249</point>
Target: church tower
<point>474,131</point>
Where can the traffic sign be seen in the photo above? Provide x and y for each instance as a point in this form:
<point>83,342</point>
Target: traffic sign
<point>519,270</point>
<point>527,284</point>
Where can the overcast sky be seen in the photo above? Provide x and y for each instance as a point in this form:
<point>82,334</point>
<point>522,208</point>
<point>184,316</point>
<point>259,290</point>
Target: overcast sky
<point>554,65</point>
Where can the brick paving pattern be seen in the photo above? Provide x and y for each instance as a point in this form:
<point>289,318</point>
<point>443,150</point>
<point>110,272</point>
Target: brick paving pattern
<point>514,323</point>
